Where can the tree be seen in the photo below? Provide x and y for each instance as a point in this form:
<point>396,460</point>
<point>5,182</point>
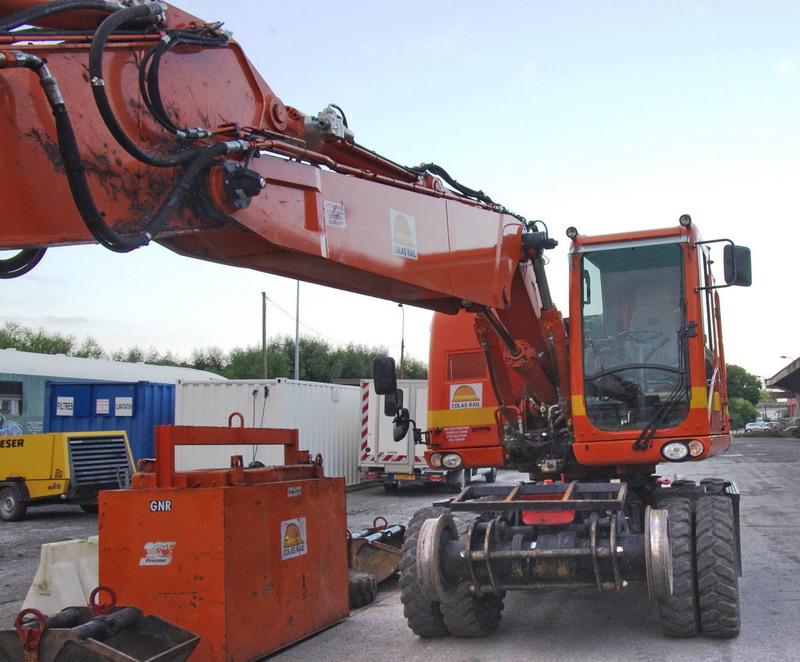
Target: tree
<point>319,361</point>
<point>90,349</point>
<point>212,359</point>
<point>741,384</point>
<point>245,363</point>
<point>14,335</point>
<point>415,369</point>
<point>741,412</point>
<point>134,354</point>
<point>355,361</point>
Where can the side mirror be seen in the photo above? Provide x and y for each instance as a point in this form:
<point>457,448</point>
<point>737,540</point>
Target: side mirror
<point>383,374</point>
<point>401,423</point>
<point>392,403</point>
<point>737,265</point>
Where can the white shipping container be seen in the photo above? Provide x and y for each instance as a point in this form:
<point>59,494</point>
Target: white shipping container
<point>326,416</point>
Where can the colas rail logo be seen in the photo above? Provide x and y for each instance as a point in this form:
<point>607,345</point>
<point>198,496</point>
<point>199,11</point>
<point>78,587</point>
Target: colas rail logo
<point>466,396</point>
<point>404,234</point>
<point>293,538</point>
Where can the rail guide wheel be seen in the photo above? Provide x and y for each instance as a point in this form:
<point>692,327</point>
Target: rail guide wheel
<point>424,616</point>
<point>464,613</point>
<point>433,536</point>
<point>658,554</point>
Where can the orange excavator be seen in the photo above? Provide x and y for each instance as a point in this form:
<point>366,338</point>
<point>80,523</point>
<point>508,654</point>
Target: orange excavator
<point>144,123</point>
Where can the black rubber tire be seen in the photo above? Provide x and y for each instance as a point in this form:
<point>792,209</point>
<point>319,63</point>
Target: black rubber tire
<point>713,485</point>
<point>424,616</point>
<point>680,489</point>
<point>492,475</point>
<point>390,487</point>
<point>362,587</point>
<point>679,614</point>
<point>12,507</point>
<point>466,615</point>
<point>717,568</point>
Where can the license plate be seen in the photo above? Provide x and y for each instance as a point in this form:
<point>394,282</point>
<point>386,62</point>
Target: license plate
<point>405,477</point>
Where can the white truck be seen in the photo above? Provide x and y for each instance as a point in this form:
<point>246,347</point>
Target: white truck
<point>394,463</point>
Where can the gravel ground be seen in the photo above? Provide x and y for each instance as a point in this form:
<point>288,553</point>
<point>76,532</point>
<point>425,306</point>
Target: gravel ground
<point>568,626</point>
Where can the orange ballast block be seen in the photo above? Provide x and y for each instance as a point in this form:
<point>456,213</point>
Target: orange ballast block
<point>250,568</point>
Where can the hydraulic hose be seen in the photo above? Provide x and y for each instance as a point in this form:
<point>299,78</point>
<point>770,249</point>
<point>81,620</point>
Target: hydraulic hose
<point>107,27</point>
<point>82,195</point>
<point>149,70</point>
<point>76,173</point>
<point>21,263</point>
<point>33,14</point>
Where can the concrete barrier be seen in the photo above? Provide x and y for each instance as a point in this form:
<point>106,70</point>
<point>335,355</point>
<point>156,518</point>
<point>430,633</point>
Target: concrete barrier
<point>66,576</point>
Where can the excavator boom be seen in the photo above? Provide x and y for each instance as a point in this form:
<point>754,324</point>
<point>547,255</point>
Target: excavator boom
<point>162,129</point>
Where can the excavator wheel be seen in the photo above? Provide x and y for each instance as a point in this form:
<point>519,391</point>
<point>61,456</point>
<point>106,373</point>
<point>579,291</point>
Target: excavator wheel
<point>424,616</point>
<point>717,568</point>
<point>467,615</point>
<point>679,613</point>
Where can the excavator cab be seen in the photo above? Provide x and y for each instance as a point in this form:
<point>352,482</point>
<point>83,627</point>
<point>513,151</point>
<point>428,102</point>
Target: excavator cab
<point>647,362</point>
<point>635,354</point>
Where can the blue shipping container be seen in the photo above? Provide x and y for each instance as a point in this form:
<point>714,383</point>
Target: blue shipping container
<point>136,407</point>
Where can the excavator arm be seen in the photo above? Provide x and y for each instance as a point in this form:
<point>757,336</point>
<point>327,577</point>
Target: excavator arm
<point>122,125</point>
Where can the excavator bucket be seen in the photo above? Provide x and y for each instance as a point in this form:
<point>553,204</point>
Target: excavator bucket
<point>124,634</point>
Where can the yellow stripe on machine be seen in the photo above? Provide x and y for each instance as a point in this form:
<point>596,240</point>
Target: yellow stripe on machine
<point>448,418</point>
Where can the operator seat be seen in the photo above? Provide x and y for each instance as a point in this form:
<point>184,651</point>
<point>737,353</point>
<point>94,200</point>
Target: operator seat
<point>654,325</point>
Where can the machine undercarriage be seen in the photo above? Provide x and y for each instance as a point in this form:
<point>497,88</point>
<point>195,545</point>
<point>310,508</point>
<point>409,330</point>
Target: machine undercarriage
<point>680,541</point>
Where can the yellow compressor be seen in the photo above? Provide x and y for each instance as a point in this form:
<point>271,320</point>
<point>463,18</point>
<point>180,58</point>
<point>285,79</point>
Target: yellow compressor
<point>61,467</point>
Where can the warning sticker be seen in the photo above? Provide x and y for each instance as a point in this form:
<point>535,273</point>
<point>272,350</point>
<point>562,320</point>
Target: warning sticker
<point>157,553</point>
<point>404,234</point>
<point>293,538</point>
<point>466,396</point>
<point>334,214</point>
<point>457,435</point>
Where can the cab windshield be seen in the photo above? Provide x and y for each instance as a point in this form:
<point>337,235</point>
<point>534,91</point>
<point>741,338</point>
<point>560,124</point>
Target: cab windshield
<point>634,337</point>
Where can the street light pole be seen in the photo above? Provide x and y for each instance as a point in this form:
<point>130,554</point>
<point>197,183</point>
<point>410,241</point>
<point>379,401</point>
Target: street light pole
<point>297,336</point>
<point>264,333</point>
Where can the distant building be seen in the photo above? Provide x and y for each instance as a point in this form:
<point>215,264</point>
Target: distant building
<point>24,377</point>
<point>789,380</point>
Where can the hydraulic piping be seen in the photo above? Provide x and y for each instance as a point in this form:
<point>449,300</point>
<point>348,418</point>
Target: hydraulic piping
<point>149,11</point>
<point>33,14</point>
<point>21,263</point>
<point>76,174</point>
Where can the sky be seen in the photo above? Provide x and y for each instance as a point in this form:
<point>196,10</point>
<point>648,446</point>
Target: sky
<point>607,116</point>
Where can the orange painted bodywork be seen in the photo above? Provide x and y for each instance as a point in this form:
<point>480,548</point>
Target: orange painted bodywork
<point>456,248</point>
<point>461,407</point>
<point>593,449</point>
<point>249,559</point>
<point>707,418</point>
